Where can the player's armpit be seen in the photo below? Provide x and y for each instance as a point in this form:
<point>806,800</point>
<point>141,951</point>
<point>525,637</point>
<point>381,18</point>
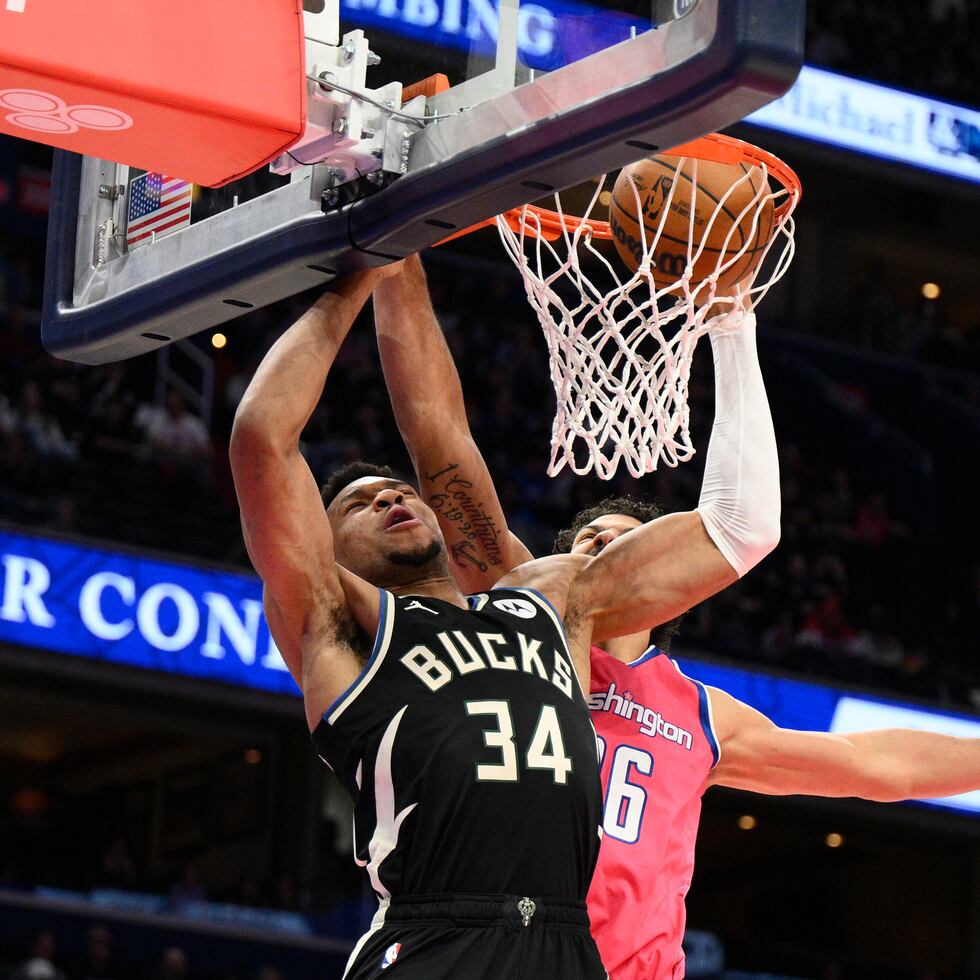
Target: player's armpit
<point>338,644</point>
<point>314,608</point>
<point>552,577</point>
<point>885,766</point>
<point>650,576</point>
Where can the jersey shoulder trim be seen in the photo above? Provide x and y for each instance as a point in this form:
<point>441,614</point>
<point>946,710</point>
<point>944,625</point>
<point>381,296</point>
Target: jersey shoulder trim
<point>707,719</point>
<point>540,599</point>
<point>649,655</point>
<point>382,639</point>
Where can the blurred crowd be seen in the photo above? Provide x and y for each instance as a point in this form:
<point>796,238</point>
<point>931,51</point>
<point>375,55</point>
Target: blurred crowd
<point>846,596</point>
<point>927,47</point>
<point>44,857</point>
<point>89,450</point>
<point>100,960</point>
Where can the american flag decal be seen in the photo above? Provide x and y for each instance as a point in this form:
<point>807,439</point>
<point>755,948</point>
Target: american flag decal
<point>156,204</point>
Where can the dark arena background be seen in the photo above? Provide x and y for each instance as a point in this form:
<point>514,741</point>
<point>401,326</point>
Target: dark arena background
<point>162,811</point>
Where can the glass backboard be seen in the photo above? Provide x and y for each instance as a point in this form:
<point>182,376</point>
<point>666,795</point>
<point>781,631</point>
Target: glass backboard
<point>520,99</point>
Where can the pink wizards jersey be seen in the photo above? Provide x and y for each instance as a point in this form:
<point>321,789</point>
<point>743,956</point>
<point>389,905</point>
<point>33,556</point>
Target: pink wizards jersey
<point>657,747</point>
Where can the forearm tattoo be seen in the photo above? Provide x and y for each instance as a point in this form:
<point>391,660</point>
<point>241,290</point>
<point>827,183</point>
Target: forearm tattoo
<point>450,498</point>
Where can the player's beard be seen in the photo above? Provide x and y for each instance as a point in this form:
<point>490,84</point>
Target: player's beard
<point>418,557</point>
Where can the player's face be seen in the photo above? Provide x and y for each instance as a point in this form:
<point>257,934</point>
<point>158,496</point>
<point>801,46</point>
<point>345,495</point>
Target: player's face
<point>383,531</point>
<point>602,531</point>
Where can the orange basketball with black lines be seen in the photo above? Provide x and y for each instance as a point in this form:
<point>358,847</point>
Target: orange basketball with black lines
<point>703,184</point>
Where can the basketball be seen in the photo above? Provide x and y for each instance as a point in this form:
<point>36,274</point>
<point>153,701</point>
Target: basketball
<point>653,179</point>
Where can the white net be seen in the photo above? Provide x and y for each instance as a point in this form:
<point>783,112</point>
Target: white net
<point>620,344</point>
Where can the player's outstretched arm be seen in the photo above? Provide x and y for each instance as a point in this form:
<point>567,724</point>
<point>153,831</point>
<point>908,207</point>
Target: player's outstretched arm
<point>283,519</point>
<point>427,400</point>
<point>663,568</point>
<point>886,766</point>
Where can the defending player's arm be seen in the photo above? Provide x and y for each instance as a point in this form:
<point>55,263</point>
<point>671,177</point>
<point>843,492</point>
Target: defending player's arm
<point>660,570</point>
<point>886,766</point>
<point>283,519</point>
<point>428,404</point>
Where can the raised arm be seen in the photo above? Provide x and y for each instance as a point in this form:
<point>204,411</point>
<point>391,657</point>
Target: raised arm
<point>428,404</point>
<point>888,765</point>
<point>663,568</point>
<point>283,519</point>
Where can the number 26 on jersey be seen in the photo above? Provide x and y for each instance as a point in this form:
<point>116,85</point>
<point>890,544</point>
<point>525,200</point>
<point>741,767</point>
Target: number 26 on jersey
<point>626,798</point>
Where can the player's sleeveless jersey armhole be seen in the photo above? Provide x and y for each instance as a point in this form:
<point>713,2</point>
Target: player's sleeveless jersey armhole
<point>382,639</point>
<point>707,718</point>
<point>545,603</point>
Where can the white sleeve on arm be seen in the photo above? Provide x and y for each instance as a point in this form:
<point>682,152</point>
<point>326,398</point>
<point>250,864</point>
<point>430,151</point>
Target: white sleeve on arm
<point>740,502</point>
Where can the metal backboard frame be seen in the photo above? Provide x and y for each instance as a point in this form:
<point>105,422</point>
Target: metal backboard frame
<point>711,66</point>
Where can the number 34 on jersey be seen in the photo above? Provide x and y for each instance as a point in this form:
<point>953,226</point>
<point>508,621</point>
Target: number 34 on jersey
<point>546,749</point>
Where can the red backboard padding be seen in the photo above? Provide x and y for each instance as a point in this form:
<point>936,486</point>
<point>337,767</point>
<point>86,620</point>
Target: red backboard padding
<point>206,90</point>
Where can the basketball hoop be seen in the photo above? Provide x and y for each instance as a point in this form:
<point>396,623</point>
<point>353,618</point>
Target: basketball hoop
<point>621,350</point>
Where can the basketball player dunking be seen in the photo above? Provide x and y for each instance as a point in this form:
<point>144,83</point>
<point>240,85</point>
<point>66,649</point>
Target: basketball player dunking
<point>458,724</point>
<point>664,738</point>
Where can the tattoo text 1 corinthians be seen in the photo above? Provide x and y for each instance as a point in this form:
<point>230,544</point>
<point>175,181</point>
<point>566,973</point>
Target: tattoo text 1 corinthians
<point>452,500</point>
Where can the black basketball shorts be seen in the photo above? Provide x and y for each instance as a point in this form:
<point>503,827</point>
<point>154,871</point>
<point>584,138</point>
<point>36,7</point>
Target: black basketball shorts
<point>478,937</point>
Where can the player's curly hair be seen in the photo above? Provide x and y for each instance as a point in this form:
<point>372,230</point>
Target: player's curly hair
<point>350,472</point>
<point>644,511</point>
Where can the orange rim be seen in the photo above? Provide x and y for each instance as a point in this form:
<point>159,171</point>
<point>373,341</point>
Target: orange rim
<point>551,225</point>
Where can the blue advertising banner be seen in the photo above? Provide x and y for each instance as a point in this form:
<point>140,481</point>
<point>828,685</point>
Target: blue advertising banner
<point>137,611</point>
<point>550,33</point>
<point>819,708</point>
<point>880,121</point>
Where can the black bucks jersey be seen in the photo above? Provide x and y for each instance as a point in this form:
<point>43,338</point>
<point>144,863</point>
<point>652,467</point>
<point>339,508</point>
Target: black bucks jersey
<point>467,746</point>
